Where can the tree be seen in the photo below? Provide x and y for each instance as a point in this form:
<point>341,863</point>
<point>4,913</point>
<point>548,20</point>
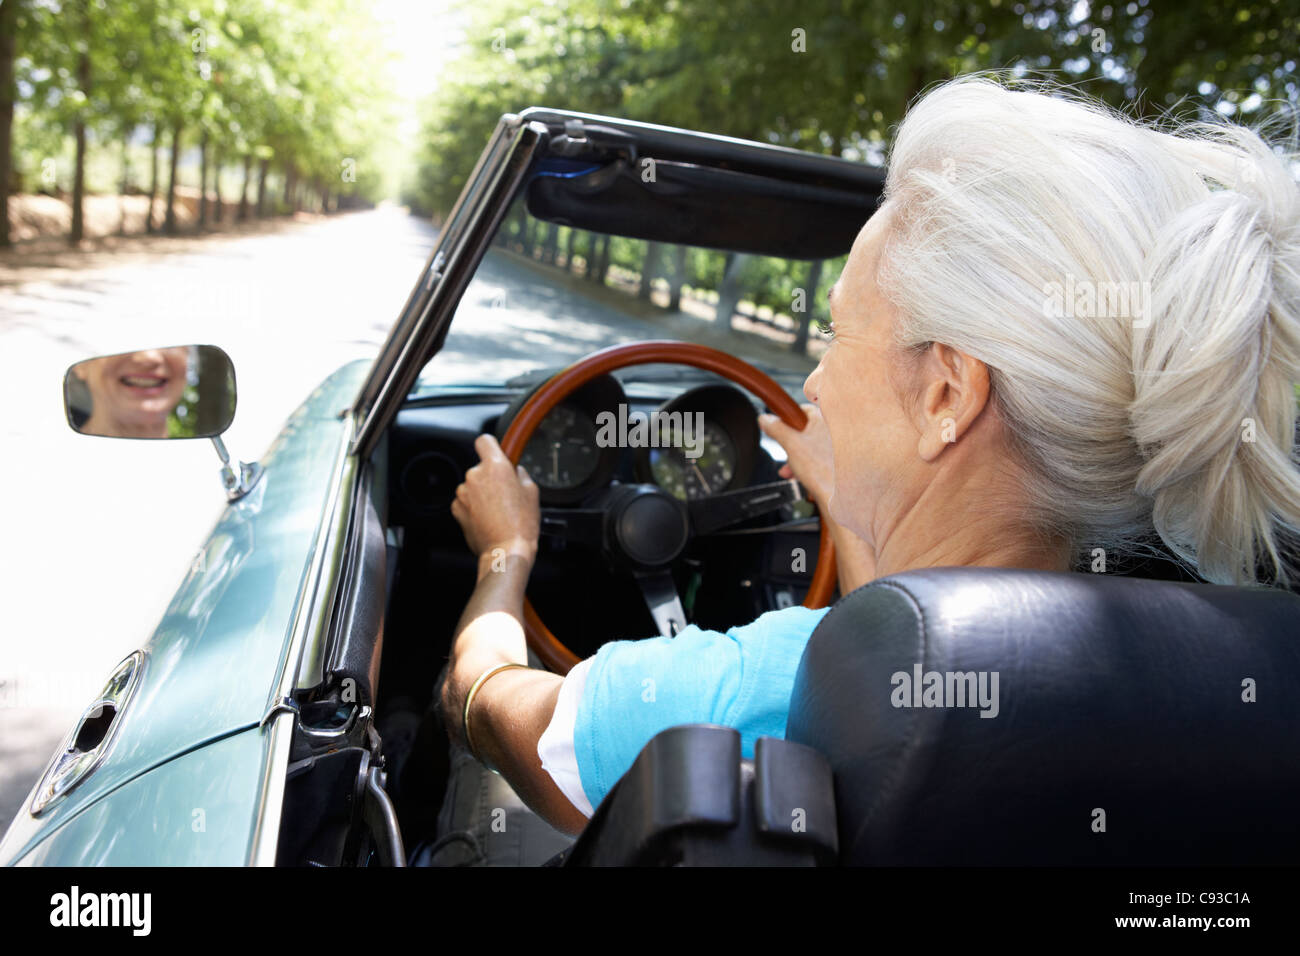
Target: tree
<point>81,16</point>
<point>8,42</point>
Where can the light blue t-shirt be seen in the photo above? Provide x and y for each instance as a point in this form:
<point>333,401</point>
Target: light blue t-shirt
<point>634,689</point>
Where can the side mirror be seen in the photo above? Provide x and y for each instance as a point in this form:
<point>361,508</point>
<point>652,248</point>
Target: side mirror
<point>185,391</point>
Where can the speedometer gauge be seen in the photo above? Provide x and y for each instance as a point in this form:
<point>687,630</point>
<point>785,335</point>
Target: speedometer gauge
<point>562,453</point>
<point>689,478</point>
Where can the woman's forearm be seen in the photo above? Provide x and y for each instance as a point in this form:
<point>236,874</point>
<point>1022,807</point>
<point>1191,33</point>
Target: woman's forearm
<point>490,631</point>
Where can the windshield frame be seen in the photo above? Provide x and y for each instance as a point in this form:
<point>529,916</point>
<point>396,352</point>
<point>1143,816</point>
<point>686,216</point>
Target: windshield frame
<point>504,170</point>
<point>422,325</point>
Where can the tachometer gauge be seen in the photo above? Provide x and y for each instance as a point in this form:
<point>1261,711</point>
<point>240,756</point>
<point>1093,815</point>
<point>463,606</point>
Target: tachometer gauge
<point>689,478</point>
<point>562,452</point>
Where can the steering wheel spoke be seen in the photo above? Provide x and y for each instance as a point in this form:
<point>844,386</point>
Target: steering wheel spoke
<point>715,512</point>
<point>577,525</point>
<point>660,593</point>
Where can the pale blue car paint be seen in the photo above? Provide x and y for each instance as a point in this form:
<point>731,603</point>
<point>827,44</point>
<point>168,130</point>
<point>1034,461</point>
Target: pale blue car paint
<point>209,673</point>
<point>195,810</point>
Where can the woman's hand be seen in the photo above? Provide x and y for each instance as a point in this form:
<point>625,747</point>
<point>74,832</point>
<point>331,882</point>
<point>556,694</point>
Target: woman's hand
<point>808,452</point>
<point>809,460</point>
<point>497,505</point>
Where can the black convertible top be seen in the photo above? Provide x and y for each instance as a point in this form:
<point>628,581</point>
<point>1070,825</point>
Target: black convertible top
<point>673,185</point>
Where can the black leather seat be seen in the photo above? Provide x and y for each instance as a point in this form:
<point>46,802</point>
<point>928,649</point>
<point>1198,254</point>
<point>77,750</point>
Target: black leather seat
<point>1125,729</point>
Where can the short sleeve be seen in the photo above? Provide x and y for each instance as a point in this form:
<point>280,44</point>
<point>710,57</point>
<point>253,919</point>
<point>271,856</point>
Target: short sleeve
<point>634,689</point>
<point>555,746</point>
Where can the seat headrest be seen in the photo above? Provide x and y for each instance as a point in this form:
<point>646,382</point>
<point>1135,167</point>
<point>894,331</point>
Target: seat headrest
<point>1002,716</point>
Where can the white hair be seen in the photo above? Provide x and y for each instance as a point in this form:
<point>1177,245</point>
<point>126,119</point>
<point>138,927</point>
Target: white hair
<point>1135,293</point>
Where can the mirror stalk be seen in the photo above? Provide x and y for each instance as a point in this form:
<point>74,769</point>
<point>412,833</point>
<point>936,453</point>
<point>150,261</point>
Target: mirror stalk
<point>236,485</point>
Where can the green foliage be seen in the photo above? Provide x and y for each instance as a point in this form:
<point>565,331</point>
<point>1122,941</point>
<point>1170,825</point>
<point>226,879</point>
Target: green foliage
<point>830,76</point>
<point>303,82</point>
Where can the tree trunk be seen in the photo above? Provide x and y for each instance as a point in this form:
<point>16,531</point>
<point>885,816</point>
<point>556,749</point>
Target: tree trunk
<point>203,180</point>
<point>263,166</point>
<point>552,245</point>
<point>126,183</point>
<point>291,188</point>
<point>216,185</point>
<point>804,320</point>
<point>568,249</point>
<point>169,223</point>
<point>527,239</point>
<point>8,28</point>
<point>599,258</point>
<point>729,294</point>
<point>79,171</point>
<point>153,179</point>
<point>679,279</point>
<point>243,192</point>
<point>648,267</point>
<point>602,268</point>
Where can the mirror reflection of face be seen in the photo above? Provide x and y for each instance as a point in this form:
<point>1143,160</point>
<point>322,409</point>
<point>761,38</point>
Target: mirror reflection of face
<point>133,393</point>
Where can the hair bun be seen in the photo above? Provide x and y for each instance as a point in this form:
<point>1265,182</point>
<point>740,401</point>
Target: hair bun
<point>1215,365</point>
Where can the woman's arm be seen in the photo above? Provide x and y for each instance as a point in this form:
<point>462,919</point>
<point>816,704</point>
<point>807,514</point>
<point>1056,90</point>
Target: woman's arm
<point>497,507</point>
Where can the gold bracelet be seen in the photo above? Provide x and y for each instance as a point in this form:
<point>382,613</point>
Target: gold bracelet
<point>482,679</point>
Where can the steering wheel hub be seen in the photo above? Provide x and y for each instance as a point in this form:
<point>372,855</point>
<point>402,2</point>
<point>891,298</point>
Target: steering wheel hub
<point>649,526</point>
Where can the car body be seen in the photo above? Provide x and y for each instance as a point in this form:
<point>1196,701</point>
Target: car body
<point>193,770</point>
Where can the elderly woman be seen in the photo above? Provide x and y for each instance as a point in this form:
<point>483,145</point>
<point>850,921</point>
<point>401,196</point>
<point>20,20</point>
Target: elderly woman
<point>1062,330</point>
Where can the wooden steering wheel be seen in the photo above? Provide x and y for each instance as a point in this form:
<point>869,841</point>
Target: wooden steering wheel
<point>646,518</point>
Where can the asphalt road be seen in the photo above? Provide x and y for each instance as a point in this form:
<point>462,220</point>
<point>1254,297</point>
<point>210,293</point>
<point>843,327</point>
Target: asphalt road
<point>98,533</point>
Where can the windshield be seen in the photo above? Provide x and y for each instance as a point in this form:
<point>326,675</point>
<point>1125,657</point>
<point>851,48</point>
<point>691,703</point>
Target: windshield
<point>546,295</point>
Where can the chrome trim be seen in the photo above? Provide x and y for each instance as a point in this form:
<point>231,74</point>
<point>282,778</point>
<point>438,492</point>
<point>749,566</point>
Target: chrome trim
<point>311,663</point>
<point>236,485</point>
<point>355,716</point>
<point>265,840</point>
<point>317,588</point>
<point>305,633</point>
<point>69,766</point>
<point>287,704</point>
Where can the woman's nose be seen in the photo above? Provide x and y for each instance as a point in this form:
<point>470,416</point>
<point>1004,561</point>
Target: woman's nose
<point>147,357</point>
<point>811,383</point>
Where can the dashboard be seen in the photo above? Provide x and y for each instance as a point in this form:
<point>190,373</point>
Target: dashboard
<point>699,443</point>
<point>692,443</point>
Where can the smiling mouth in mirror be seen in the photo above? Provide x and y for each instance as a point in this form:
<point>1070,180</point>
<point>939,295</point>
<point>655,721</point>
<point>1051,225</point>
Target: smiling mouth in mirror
<point>185,391</point>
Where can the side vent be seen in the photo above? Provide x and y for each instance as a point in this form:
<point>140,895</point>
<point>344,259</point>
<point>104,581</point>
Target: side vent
<point>91,739</point>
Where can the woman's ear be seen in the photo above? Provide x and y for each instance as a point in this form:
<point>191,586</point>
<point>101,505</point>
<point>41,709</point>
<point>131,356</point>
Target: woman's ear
<point>954,391</point>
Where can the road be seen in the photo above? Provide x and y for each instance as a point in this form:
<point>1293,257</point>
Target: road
<point>99,532</point>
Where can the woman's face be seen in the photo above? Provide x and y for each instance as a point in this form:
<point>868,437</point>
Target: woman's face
<point>133,393</point>
<point>873,440</point>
